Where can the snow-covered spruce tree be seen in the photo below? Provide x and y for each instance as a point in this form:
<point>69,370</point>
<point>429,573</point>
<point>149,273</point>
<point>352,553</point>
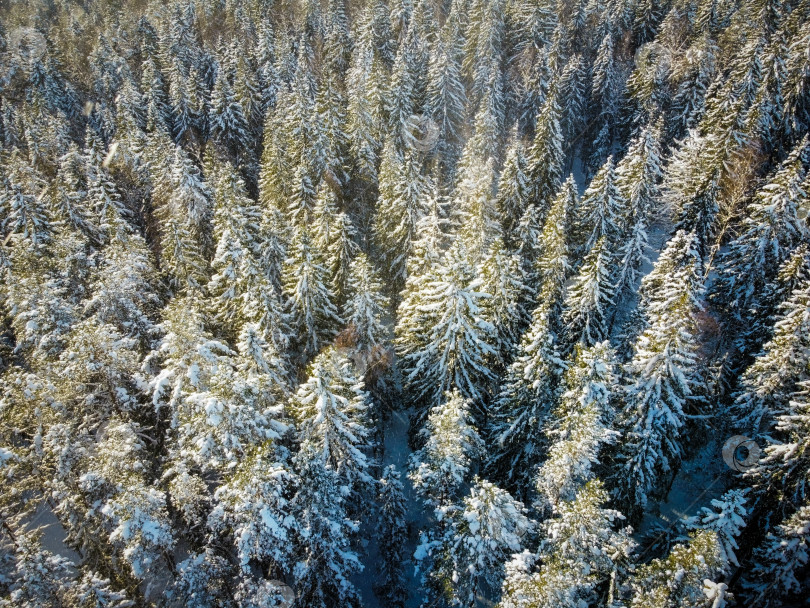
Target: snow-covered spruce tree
<point>240,290</point>
<point>601,210</point>
<point>767,384</point>
<point>331,409</point>
<point>41,294</point>
<point>581,551</point>
<point>391,527</point>
<point>336,237</point>
<point>780,561</point>
<point>791,273</point>
<point>690,194</point>
<point>108,210</point>
<point>324,558</point>
<point>429,246</point>
<point>726,517</point>
<point>401,94</point>
<point>513,186</point>
<point>451,446</point>
<point>578,426</point>
<point>485,142</point>
<point>191,197</point>
<point>474,208</point>
<point>573,96</point>
<point>276,165</point>
<point>253,507</point>
<point>591,297</point>
<point>330,117</point>
<point>185,231</point>
<point>483,45</point>
<point>781,473</point>
<point>662,372</point>
<point>202,578</point>
<point>366,305</point>
<point>37,577</point>
<point>228,122</point>
<point>404,193</point>
<point>438,471</point>
<point>126,291</point>
<point>67,192</point>
<point>454,341</point>
<point>153,84</point>
<point>131,510</point>
<point>526,396</point>
<point>637,179</point>
<point>446,96</point>
<point>684,578</point>
<point>552,264</point>
<point>23,209</point>
<point>93,590</point>
<point>314,315</point>
<point>546,154</point>
<point>533,92</point>
<point>274,236</point>
<point>487,527</point>
<point>509,291</point>
<point>770,230</point>
<point>219,403</point>
<point>363,132</point>
<point>99,369</point>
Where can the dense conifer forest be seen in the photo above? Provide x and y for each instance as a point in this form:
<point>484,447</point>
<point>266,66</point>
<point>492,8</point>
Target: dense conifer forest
<point>404,303</point>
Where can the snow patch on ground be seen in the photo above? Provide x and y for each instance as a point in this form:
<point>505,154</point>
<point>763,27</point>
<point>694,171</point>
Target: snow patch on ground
<point>699,480</point>
<point>396,451</point>
<point>53,533</point>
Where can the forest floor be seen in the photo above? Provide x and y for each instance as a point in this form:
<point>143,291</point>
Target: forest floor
<point>396,451</point>
<point>701,478</point>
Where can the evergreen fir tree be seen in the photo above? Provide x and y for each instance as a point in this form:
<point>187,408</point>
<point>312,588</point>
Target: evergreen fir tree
<point>637,177</point>
<point>546,154</point>
<point>600,209</point>
<point>254,506</point>
<point>780,560</point>
<point>662,371</point>
<point>552,264</point>
<point>314,316</point>
<point>24,213</point>
<point>767,384</point>
<point>402,203</point>
<point>228,122</point>
<point>391,527</point>
<point>325,560</point>
<point>726,518</point>
<point>591,297</point>
<point>579,426</point>
<point>453,348</point>
<point>331,409</point>
<point>513,187</point>
<point>366,305</point>
<point>770,231</point>
<point>488,526</point>
<point>697,562</point>
<point>581,551</point>
<point>452,445</point>
<point>526,396</point>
